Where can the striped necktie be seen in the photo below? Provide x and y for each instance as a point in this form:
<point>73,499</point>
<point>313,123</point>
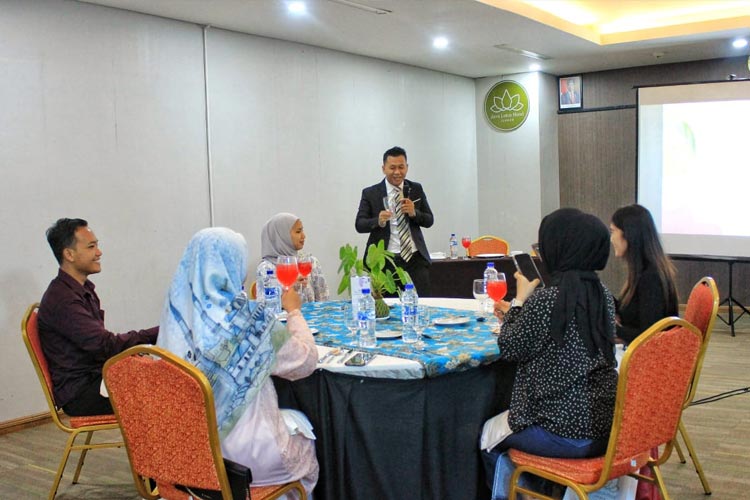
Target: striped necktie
<point>404,234</point>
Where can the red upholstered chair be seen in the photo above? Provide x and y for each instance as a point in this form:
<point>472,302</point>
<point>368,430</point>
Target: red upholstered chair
<point>166,409</point>
<point>702,306</point>
<point>654,379</point>
<point>488,244</point>
<point>74,426</point>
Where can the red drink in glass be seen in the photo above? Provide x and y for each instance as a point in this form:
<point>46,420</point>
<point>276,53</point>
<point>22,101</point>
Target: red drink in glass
<point>286,274</point>
<point>305,267</point>
<point>466,242</point>
<point>497,289</point>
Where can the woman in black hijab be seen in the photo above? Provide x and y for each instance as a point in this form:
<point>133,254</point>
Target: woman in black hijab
<point>562,338</point>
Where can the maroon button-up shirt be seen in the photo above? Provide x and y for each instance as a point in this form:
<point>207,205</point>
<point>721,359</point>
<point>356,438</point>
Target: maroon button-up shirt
<point>73,337</point>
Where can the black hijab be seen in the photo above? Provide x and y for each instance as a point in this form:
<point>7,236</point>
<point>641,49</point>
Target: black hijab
<point>573,246</point>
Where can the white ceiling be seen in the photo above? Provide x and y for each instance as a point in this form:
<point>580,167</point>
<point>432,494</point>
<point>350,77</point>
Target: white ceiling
<point>405,35</point>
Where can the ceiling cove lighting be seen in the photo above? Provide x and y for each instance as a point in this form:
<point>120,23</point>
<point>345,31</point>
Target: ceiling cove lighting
<point>440,42</point>
<point>535,67</point>
<point>297,7</point>
<point>740,43</point>
<point>361,6</point>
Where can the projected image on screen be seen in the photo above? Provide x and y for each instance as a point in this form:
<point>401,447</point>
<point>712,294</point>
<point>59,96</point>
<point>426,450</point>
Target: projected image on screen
<point>694,165</point>
<point>700,161</point>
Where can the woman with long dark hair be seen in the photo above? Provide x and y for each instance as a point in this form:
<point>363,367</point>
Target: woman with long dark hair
<point>649,293</point>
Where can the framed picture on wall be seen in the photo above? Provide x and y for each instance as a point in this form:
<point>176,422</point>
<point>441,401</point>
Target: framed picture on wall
<point>571,92</point>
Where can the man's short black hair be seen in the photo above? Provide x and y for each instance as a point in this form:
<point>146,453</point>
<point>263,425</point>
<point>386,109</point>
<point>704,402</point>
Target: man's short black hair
<point>393,152</point>
<point>62,235</point>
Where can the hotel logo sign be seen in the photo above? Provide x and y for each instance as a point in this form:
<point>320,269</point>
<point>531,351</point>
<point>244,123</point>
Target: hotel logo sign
<point>506,106</point>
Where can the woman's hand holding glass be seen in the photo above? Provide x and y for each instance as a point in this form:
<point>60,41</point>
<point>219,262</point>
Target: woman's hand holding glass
<point>304,265</point>
<point>286,270</point>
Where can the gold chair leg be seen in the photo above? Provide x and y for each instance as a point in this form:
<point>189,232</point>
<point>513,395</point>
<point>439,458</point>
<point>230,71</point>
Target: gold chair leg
<point>85,450</point>
<point>678,449</point>
<point>660,482</point>
<point>694,458</point>
<point>61,467</point>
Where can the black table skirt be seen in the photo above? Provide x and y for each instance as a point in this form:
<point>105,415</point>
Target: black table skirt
<point>455,277</point>
<point>400,439</point>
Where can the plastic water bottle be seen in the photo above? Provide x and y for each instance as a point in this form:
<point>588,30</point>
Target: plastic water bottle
<point>271,294</point>
<point>409,303</point>
<point>453,244</point>
<point>490,273</point>
<point>260,277</point>
<point>366,319</point>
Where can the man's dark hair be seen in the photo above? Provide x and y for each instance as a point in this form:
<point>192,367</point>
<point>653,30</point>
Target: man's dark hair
<point>62,235</point>
<point>393,152</point>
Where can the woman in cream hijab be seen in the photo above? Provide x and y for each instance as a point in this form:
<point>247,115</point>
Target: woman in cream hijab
<point>283,234</point>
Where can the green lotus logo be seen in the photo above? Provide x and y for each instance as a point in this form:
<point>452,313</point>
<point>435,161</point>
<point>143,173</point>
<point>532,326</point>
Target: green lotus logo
<point>506,105</point>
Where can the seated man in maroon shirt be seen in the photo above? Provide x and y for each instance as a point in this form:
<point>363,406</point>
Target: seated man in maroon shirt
<point>71,322</point>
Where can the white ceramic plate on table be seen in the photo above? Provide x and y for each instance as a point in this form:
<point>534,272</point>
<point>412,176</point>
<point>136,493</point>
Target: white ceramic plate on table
<point>490,255</point>
<point>451,320</point>
<point>387,334</point>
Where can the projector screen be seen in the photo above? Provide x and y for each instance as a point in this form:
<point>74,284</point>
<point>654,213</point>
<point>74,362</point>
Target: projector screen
<point>694,165</point>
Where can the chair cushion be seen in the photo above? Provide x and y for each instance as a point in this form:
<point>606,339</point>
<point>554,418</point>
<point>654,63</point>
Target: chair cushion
<point>579,470</point>
<point>77,422</point>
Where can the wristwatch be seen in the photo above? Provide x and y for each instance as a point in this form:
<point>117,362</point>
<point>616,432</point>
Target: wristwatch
<point>516,303</point>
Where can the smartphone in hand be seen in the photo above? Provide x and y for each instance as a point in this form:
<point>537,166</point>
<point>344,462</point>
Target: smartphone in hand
<point>525,265</point>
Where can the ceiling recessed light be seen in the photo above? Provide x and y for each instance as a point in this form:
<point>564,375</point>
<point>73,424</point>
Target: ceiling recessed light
<point>440,42</point>
<point>739,43</point>
<point>535,67</point>
<point>297,7</point>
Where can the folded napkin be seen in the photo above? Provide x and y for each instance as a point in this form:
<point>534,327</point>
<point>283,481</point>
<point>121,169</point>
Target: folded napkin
<point>437,255</point>
<point>297,423</point>
<point>495,430</point>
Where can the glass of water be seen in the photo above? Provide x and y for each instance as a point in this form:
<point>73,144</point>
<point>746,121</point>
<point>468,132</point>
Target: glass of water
<point>480,294</point>
<point>421,321</point>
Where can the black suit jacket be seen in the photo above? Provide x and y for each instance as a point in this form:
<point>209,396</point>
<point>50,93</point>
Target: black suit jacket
<point>371,205</point>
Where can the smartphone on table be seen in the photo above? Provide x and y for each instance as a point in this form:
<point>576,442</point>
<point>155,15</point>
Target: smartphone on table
<point>525,265</point>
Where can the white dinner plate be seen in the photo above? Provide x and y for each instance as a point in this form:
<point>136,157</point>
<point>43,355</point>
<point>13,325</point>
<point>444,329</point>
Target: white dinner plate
<point>451,320</point>
<point>490,255</point>
<point>282,316</point>
<point>387,334</point>
<point>386,318</point>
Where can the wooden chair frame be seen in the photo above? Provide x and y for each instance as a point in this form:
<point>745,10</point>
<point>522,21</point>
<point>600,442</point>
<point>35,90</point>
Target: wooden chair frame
<point>711,284</point>
<point>609,459</point>
<point>76,425</point>
<point>256,493</point>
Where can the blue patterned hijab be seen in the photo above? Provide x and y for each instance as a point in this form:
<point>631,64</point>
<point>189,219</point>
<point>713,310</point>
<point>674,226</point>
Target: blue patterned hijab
<point>208,321</point>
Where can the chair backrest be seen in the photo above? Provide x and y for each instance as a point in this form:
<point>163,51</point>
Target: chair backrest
<point>254,290</point>
<point>488,244</point>
<point>654,378</point>
<point>30,335</point>
<point>165,407</point>
<point>702,308</point>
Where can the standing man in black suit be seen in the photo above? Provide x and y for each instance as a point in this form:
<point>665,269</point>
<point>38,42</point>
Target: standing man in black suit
<point>412,212</point>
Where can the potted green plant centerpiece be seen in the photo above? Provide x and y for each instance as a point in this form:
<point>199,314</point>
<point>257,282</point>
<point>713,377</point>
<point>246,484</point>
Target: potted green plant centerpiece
<point>382,280</point>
